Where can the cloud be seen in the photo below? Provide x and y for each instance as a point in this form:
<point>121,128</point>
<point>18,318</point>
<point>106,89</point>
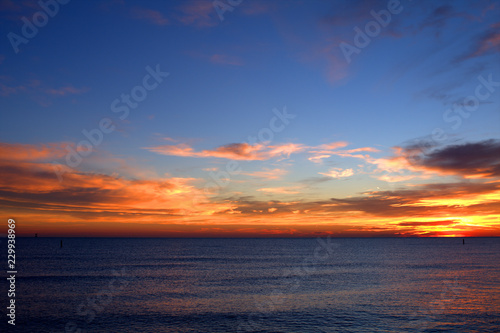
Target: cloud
<point>258,7</point>
<point>267,173</point>
<point>222,59</point>
<point>350,13</point>
<point>338,173</point>
<point>233,151</point>
<point>10,90</point>
<point>326,150</point>
<point>438,18</point>
<point>36,89</point>
<point>333,145</point>
<point>30,190</point>
<point>199,13</point>
<point>29,184</point>
<point>152,16</point>
<point>435,201</point>
<point>9,5</point>
<point>280,190</point>
<point>486,43</point>
<point>395,178</point>
<point>433,223</point>
<point>66,90</point>
<point>357,150</point>
<point>30,152</point>
<point>469,160</point>
<point>318,158</point>
<point>326,56</point>
<point>245,151</point>
<point>473,160</point>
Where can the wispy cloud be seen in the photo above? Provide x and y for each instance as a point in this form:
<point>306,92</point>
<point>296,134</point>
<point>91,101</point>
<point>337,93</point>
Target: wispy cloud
<point>66,90</point>
<point>326,150</point>
<point>152,16</point>
<point>486,43</point>
<point>9,5</point>
<point>391,178</point>
<point>338,173</point>
<point>29,152</point>
<point>234,151</point>
<point>318,158</point>
<point>266,173</point>
<point>198,13</point>
<point>35,88</point>
<point>281,190</point>
<point>6,90</point>
<point>223,59</point>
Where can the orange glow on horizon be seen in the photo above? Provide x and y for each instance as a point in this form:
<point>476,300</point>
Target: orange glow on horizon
<point>105,205</point>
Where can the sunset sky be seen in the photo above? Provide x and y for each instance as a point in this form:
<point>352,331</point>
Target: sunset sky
<point>260,118</point>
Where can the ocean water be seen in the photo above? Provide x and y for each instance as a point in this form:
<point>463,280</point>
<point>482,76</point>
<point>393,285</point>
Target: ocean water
<point>256,285</point>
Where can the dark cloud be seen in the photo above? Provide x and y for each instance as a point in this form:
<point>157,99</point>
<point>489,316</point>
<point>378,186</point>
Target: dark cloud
<point>395,203</point>
<point>470,160</point>
<point>485,43</point>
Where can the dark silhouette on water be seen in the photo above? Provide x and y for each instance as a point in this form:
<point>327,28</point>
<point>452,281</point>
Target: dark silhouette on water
<point>36,235</point>
<point>61,243</point>
<point>463,240</point>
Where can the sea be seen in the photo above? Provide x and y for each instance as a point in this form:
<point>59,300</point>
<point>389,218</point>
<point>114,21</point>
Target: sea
<point>254,285</point>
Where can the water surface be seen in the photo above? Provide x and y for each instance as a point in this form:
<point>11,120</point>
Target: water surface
<point>257,285</point>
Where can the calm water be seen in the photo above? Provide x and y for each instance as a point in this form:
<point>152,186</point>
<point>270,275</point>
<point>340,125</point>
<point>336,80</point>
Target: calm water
<point>256,285</point>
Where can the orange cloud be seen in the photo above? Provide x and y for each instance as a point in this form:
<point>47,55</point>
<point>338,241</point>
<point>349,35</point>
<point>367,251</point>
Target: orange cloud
<point>233,151</point>
<point>338,173</point>
<point>488,42</point>
<point>327,150</point>
<point>280,190</point>
<point>267,173</point>
<point>29,152</point>
<point>318,158</point>
<point>395,178</point>
<point>332,145</point>
<point>100,204</point>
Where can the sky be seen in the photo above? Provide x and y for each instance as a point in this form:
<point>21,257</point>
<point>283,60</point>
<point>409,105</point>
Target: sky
<point>250,118</point>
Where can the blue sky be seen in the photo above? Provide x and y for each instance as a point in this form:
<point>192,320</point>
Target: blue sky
<point>227,76</point>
